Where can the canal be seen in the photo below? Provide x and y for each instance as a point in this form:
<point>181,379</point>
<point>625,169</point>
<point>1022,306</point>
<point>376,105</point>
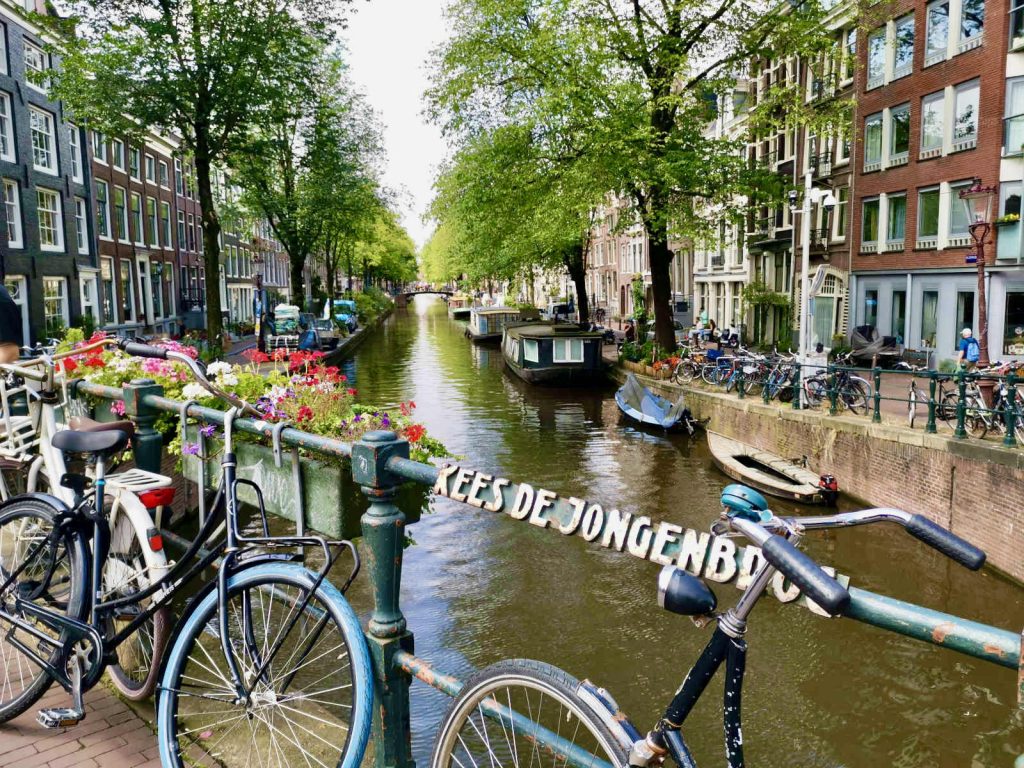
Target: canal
<point>479,587</point>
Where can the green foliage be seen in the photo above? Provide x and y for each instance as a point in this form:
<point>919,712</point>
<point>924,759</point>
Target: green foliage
<point>638,353</point>
<point>371,304</point>
<point>757,294</point>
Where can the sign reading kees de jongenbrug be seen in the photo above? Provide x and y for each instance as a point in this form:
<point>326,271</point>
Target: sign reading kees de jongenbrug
<point>716,558</point>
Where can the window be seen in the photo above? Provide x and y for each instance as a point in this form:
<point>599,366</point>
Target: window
<point>6,129</point>
<point>156,271</point>
<point>117,154</point>
<point>936,32</point>
<point>932,108</point>
<point>44,155</point>
<point>12,205</point>
<point>81,225</point>
<point>150,169</point>
<point>876,58</point>
<point>899,314</point>
<point>51,226</point>
<point>972,21</point>
<point>191,232</point>
<point>165,220</point>
<point>55,305</point>
<point>102,208</point>
<point>127,292</point>
<point>75,144</point>
<point>1013,327</point>
<point>869,222</point>
<point>1009,194</point>
<point>134,163</point>
<point>36,64</point>
<point>87,286</point>
<point>965,115</point>
<point>3,51</point>
<point>99,147</point>
<point>896,226</point>
<point>964,312</point>
<point>850,54</point>
<point>181,231</point>
<point>873,142</point>
<point>121,213</point>
<point>140,234</point>
<point>530,352</point>
<point>871,308</point>
<point>903,62</point>
<point>567,350</point>
<point>164,181</point>
<point>107,285</point>
<point>842,202</point>
<point>154,224</point>
<point>899,132</point>
<point>928,214</point>
<point>1016,25</point>
<point>929,317</point>
<point>959,225</point>
<point>178,184</point>
<point>1013,131</point>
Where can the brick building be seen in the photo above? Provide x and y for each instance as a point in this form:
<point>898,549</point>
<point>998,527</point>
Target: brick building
<point>930,95</point>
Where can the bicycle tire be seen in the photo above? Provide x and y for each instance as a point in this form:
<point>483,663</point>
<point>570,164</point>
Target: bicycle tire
<point>180,731</point>
<point>816,390</point>
<point>947,409</point>
<point>856,395</point>
<point>487,698</point>
<point>16,529</point>
<point>912,409</point>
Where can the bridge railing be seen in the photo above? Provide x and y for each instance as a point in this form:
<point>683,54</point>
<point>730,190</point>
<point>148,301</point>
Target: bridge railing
<point>381,464</point>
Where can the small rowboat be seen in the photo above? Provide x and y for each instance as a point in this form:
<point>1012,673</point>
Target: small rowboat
<point>769,473</point>
<point>640,404</point>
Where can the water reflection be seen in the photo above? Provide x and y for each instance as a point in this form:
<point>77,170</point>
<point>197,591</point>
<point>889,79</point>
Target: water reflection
<point>479,587</point>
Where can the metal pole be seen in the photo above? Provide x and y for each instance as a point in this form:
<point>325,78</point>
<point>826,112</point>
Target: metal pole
<point>1010,410</point>
<point>833,389</point>
<point>961,407</point>
<point>796,386</point>
<point>932,385</point>
<point>805,268</point>
<point>148,443</point>
<point>876,375</point>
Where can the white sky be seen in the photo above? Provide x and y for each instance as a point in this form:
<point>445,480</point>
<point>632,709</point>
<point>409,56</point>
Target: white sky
<point>389,41</point>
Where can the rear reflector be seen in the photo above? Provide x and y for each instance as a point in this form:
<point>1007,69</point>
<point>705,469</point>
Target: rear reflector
<point>157,497</point>
<point>156,541</point>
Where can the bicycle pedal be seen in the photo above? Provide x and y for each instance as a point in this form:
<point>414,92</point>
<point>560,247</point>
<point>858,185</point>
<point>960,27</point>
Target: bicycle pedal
<point>60,717</point>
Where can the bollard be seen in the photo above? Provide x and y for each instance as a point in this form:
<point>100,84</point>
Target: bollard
<point>797,394</point>
<point>1010,411</point>
<point>961,407</point>
<point>770,384</point>
<point>833,390</point>
<point>876,377</point>
<point>740,383</point>
<point>148,443</point>
<point>384,542</point>
<point>933,382</point>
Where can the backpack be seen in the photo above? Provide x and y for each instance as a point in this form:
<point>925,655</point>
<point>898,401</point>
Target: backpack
<point>973,350</point>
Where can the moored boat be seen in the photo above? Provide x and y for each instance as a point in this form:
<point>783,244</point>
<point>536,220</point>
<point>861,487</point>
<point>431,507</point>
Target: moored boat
<point>459,307</point>
<point>488,323</point>
<point>640,404</point>
<point>769,473</point>
<point>553,353</point>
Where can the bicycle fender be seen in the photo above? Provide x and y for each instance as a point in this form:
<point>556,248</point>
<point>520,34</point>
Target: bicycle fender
<point>46,498</point>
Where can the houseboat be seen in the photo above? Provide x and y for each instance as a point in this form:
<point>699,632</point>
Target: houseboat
<point>459,307</point>
<point>488,323</point>
<point>553,353</point>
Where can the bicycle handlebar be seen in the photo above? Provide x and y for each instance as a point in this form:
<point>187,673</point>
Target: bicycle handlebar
<point>142,350</point>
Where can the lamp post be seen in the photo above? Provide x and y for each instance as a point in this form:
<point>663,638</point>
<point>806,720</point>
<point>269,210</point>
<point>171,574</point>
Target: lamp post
<point>812,195</point>
<point>257,298</point>
<point>977,202</point>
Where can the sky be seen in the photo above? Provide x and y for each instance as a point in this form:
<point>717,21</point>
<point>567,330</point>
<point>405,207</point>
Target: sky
<point>389,41</point>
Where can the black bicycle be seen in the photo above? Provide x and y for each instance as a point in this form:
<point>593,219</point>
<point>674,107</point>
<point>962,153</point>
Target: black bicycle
<point>268,658</point>
<point>518,712</point>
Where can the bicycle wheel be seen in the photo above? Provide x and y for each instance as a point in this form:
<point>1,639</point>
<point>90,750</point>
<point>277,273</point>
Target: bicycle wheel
<point>312,706</point>
<point>54,578</point>
<point>815,391</point>
<point>131,566</point>
<point>855,394</point>
<point>946,410</point>
<point>520,711</point>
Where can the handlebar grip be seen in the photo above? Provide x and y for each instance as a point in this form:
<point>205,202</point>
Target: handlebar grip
<point>947,542</point>
<point>142,350</point>
<point>806,574</point>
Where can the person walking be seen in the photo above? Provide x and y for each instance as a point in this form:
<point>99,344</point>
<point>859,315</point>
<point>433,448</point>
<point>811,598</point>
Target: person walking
<point>969,349</point>
<point>10,327</point>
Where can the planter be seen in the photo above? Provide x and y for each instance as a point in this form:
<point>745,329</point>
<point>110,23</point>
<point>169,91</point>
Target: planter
<point>333,503</point>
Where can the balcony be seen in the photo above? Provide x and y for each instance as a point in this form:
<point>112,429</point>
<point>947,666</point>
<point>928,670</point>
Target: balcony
<point>1008,241</point>
<point>819,238</point>
<point>821,165</point>
<point>717,260</point>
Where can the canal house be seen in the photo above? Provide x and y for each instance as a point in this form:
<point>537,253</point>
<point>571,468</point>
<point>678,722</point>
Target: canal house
<point>488,323</point>
<point>558,353</point>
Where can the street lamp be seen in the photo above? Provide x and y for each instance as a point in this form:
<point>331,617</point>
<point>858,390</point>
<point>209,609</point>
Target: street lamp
<point>977,202</point>
<point>257,298</point>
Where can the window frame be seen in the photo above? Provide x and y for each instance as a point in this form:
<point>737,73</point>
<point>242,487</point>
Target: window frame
<point>50,134</point>
<point>17,219</point>
<point>165,224</point>
<point>879,33</point>
<point>935,56</point>
<point>57,215</point>
<point>908,66</point>
<point>163,174</point>
<point>7,129</point>
<point>121,215</point>
<point>570,359</point>
<point>876,117</point>
<point>128,302</point>
<point>149,163</point>
<point>956,205</point>
<point>864,203</point>
<point>117,154</point>
<point>939,98</point>
<point>99,147</point>
<point>893,153</point>
<point>153,214</point>
<point>890,240</point>
<point>75,150</point>
<point>138,216</point>
<point>135,163</point>
<point>960,142</point>
<point>39,72</point>
<point>82,224</point>
<point>921,192</point>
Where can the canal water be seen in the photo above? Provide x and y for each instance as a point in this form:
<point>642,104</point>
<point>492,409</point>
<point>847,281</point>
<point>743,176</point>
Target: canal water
<point>479,587</point>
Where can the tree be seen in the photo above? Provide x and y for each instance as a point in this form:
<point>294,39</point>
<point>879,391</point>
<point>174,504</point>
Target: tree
<point>634,83</point>
<point>211,70</point>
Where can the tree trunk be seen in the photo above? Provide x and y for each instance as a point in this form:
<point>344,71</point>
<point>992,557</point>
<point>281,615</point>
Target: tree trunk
<point>211,242</point>
<point>661,288</point>
<point>577,266</point>
<point>298,289</point>
<point>348,268</point>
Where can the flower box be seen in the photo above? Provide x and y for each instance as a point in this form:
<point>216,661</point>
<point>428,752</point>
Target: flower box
<point>333,503</point>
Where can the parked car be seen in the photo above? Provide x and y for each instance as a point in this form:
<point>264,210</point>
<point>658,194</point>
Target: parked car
<point>344,312</point>
<point>328,332</point>
<point>557,310</point>
<point>681,332</point>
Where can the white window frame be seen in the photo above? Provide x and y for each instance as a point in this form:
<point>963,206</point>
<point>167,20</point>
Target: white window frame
<point>62,295</point>
<point>876,164</point>
<point>44,59</point>
<point>879,78</point>
<point>930,240</point>
<point>7,128</point>
<point>940,53</point>
<point>135,169</point>
<point>109,234</point>
<point>870,246</point>
<point>908,68</point>
<point>117,158</point>
<point>49,134</point>
<point>166,224</point>
<point>149,167</point>
<point>967,141</point>
<point>163,174</point>
<point>566,345</point>
<point>138,218</point>
<point>153,214</point>
<point>123,217</point>
<point>939,97</point>
<point>90,307</point>
<point>108,263</point>
<point>58,219</point>
<point>75,145</point>
<point>531,351</point>
<point>82,224</point>
<point>99,147</point>
<point>4,68</point>
<point>128,301</point>
<point>13,204</point>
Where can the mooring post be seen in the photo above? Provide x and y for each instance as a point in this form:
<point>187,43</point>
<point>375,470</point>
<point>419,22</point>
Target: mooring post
<point>933,380</point>
<point>796,386</point>
<point>148,444</point>
<point>1010,411</point>
<point>876,377</point>
<point>961,405</point>
<point>740,383</point>
<point>384,541</point>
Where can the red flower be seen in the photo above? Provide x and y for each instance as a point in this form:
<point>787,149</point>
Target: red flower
<point>69,364</point>
<point>414,432</point>
<point>95,362</point>
<point>279,355</point>
<point>255,356</point>
<point>352,392</point>
<point>305,414</point>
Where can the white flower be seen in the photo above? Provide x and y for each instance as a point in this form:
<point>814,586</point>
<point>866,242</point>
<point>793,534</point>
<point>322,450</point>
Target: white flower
<point>218,368</point>
<point>227,380</point>
<point>193,391</point>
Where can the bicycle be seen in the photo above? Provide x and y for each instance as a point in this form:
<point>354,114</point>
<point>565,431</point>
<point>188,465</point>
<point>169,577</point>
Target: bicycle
<point>509,712</point>
<point>852,392</point>
<point>244,648</point>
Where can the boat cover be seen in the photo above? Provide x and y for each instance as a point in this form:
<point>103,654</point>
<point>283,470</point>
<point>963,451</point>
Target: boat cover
<point>638,402</point>
<point>867,343</point>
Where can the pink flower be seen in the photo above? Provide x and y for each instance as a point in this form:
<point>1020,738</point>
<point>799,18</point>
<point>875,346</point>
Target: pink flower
<point>117,408</point>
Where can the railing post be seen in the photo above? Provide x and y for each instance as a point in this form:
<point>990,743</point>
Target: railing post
<point>769,383</point>
<point>740,383</point>
<point>933,383</point>
<point>961,407</point>
<point>833,393</point>
<point>384,542</point>
<point>797,396</point>
<point>1010,410</point>
<point>148,443</point>
<point>876,380</point>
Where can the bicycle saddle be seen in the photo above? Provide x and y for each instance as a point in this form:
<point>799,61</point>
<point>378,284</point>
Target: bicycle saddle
<point>105,443</point>
<point>85,424</point>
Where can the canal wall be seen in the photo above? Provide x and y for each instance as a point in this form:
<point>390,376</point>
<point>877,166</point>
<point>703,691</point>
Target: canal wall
<point>974,488</point>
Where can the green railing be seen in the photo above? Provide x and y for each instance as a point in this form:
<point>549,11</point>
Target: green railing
<point>381,463</point>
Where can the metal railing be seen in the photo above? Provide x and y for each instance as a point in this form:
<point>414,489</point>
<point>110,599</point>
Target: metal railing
<point>380,464</point>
